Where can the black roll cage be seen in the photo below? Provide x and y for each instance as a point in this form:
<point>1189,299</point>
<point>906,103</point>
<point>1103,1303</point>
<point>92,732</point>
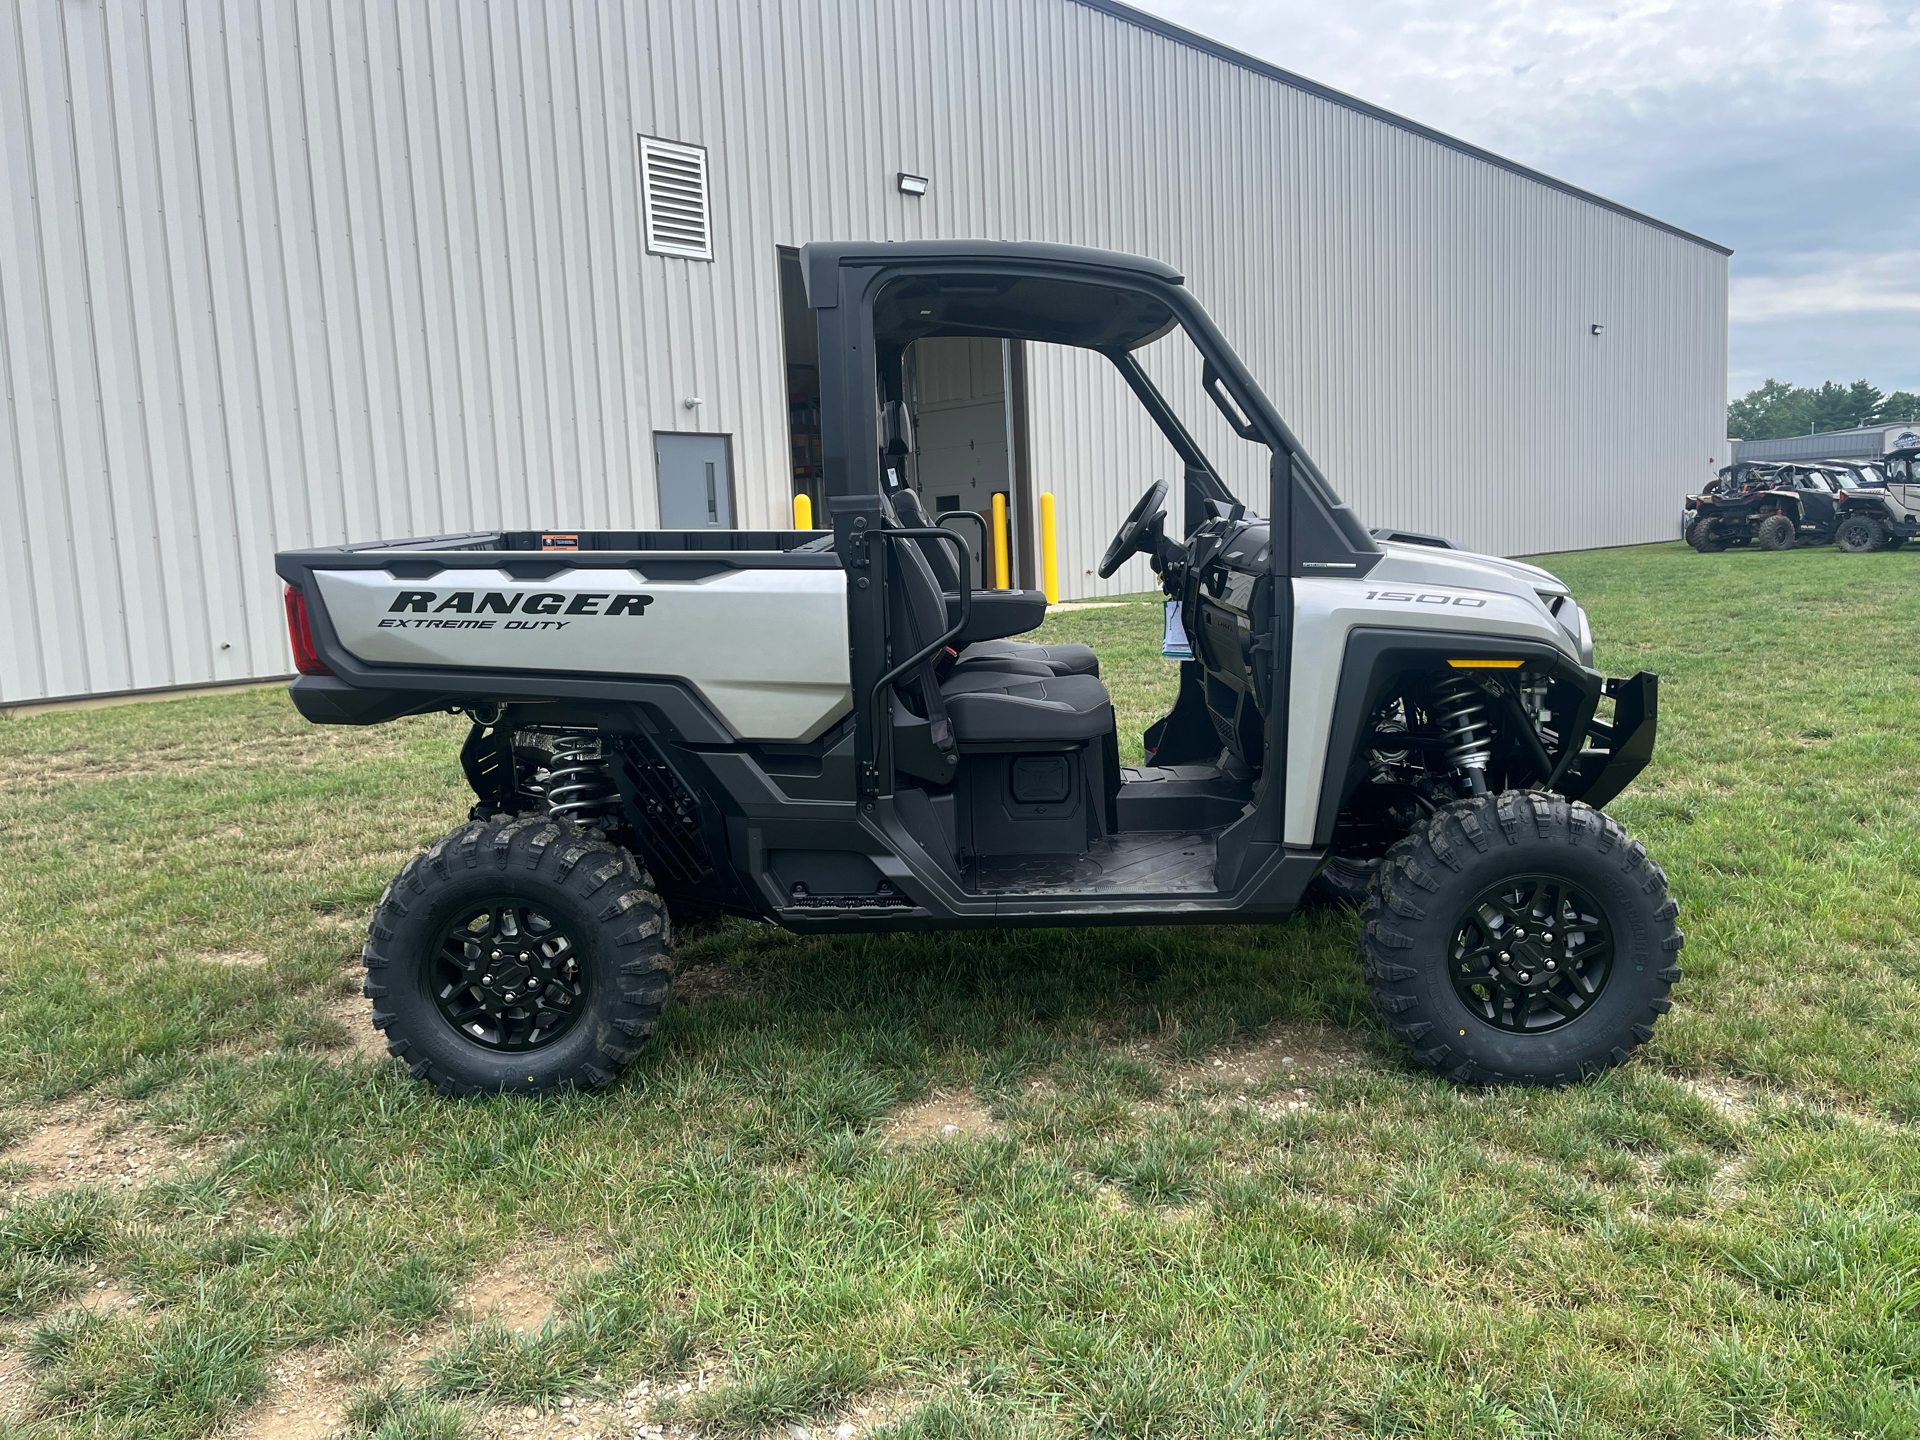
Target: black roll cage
<point>1311,530</point>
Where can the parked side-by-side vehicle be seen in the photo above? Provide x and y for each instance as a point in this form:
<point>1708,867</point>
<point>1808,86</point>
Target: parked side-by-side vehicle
<point>835,731</point>
<point>1777,505</point>
<point>1881,509</point>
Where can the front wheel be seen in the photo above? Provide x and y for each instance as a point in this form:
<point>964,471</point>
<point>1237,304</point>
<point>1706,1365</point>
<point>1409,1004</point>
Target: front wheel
<point>519,953</point>
<point>1343,881</point>
<point>1520,939</point>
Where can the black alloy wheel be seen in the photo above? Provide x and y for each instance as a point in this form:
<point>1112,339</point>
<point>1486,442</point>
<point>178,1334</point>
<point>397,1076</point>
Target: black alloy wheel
<point>507,976</point>
<point>1531,954</point>
<point>1777,532</point>
<point>520,953</point>
<point>1859,535</point>
<point>1520,939</point>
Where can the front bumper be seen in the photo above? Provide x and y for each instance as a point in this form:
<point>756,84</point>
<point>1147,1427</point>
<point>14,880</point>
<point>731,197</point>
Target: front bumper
<point>1617,749</point>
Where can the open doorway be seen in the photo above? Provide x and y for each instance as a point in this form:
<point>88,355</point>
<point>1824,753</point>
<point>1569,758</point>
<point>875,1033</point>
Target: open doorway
<point>965,394</point>
<point>800,336</point>
<point>957,387</point>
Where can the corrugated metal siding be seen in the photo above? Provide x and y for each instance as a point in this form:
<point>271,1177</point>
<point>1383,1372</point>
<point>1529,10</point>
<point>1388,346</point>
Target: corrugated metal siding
<point>288,272</point>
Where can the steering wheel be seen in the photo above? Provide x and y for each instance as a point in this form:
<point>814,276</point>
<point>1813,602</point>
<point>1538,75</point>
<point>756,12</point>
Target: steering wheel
<point>1136,531</point>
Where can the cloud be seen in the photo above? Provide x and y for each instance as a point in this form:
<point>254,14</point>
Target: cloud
<point>1784,129</point>
<point>1849,284</point>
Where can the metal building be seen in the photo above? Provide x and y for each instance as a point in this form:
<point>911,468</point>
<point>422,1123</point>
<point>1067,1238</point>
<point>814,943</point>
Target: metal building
<point>1864,442</point>
<point>293,272</point>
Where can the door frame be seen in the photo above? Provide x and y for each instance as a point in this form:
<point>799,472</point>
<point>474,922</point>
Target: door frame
<point>1023,506</point>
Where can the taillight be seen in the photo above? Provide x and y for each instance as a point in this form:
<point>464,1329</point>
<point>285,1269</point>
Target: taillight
<point>300,631</point>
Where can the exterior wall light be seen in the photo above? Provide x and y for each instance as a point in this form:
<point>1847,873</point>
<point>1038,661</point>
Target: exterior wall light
<point>912,184</point>
<point>1596,329</point>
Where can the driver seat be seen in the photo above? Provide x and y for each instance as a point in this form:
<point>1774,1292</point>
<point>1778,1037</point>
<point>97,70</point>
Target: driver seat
<point>986,655</point>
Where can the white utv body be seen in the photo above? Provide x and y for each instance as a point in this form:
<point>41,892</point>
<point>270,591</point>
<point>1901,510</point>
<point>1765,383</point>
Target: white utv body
<point>834,731</point>
<point>1881,507</point>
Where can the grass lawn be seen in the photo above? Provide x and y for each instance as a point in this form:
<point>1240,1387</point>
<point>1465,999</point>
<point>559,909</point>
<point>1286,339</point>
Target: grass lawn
<point>1029,1183</point>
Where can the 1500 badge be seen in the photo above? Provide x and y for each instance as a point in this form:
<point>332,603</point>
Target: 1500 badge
<point>433,604</point>
<point>1427,597</point>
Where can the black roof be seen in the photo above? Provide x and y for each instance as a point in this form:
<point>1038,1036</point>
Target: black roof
<point>823,256</point>
<point>1195,41</point>
<point>1029,301</point>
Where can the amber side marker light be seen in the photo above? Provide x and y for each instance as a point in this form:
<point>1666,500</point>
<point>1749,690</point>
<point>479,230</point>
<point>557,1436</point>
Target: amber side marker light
<point>1486,664</point>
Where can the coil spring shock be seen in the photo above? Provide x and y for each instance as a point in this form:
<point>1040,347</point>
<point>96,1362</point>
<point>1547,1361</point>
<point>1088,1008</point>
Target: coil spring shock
<point>1460,707</point>
<point>579,785</point>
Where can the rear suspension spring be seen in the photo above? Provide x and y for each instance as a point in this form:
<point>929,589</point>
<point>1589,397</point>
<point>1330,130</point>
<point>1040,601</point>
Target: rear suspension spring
<point>579,784</point>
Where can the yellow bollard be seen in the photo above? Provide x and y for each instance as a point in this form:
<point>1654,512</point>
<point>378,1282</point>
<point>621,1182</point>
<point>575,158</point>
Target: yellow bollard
<point>1049,550</point>
<point>803,512</point>
<point>1000,577</point>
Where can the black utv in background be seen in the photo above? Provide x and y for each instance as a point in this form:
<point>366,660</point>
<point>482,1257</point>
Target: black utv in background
<point>1774,506</point>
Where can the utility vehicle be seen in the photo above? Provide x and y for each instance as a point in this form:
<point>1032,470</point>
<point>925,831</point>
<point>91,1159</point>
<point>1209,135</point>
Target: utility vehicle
<point>834,731</point>
<point>1774,506</point>
<point>1879,509</point>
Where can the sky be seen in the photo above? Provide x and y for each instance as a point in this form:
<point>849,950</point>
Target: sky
<point>1785,129</point>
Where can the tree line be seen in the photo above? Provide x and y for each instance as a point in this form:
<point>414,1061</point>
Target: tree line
<point>1777,409</point>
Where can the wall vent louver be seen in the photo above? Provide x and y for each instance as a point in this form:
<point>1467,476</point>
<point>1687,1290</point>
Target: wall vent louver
<point>673,182</point>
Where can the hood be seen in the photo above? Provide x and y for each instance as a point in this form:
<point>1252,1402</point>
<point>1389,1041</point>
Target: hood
<point>1460,567</point>
<point>1429,565</point>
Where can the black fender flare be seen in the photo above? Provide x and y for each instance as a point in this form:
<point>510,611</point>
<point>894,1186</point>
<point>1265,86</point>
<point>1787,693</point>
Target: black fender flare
<point>1376,655</point>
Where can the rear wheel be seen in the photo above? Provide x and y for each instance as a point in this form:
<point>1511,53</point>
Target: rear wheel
<point>1776,533</point>
<point>1701,536</point>
<point>519,953</point>
<point>1520,939</point>
<point>1859,535</point>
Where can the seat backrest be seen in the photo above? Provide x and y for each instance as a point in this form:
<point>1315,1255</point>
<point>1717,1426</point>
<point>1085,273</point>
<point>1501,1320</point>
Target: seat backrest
<point>916,609</point>
<point>939,558</point>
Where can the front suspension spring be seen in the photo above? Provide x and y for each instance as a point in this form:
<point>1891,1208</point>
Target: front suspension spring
<point>1460,707</point>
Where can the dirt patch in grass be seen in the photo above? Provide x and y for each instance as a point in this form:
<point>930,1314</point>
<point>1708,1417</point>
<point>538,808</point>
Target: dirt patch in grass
<point>701,980</point>
<point>242,959</point>
<point>510,1296</point>
<point>354,1016</point>
<point>308,1400</point>
<point>1285,1051</point>
<point>78,1144</point>
<point>106,1297</point>
<point>941,1117</point>
<point>1729,1097</point>
<point>16,1385</point>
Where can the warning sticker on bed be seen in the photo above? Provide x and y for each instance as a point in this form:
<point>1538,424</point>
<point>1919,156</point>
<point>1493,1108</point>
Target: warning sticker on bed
<point>559,542</point>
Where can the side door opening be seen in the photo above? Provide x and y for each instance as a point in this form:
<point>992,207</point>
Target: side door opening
<point>1001,762</point>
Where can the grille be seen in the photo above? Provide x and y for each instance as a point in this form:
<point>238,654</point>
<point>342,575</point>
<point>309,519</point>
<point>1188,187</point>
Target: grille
<point>664,812</point>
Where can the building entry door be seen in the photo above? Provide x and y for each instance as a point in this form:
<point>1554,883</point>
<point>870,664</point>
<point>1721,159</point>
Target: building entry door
<point>696,481</point>
<point>960,420</point>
